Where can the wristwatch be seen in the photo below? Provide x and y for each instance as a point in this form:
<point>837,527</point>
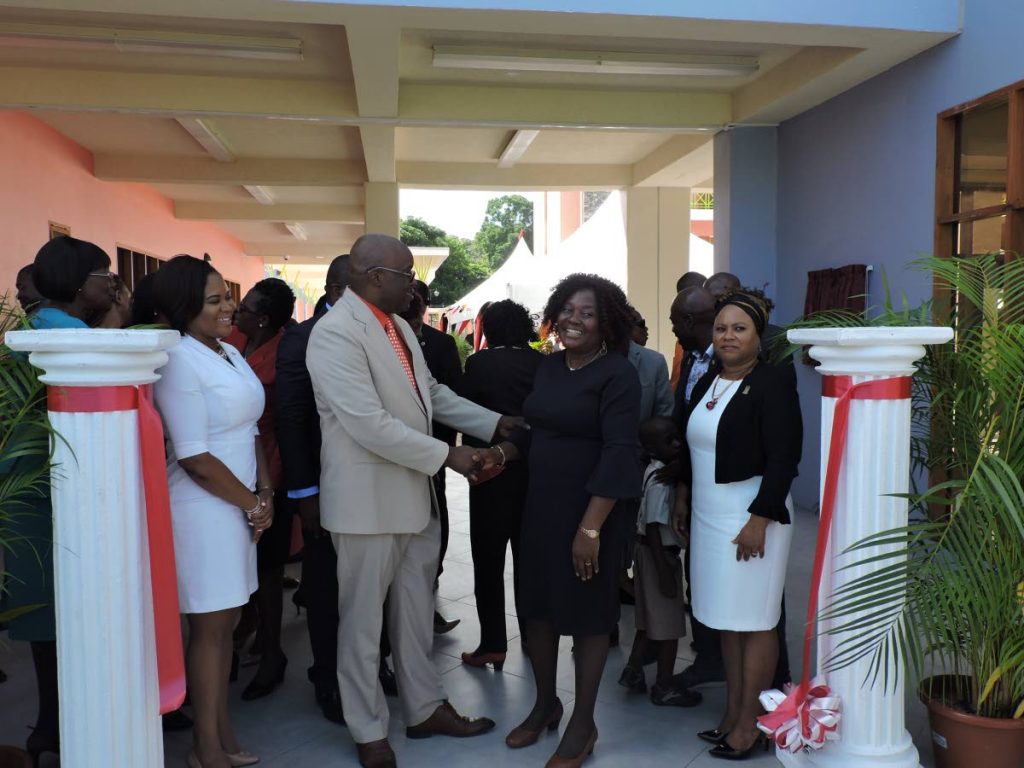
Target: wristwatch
<point>590,533</point>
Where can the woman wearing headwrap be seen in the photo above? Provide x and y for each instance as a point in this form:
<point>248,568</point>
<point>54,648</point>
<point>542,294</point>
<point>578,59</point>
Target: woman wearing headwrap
<point>744,436</point>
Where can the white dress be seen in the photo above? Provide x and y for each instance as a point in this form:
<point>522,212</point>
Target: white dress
<point>209,405</point>
<point>741,596</point>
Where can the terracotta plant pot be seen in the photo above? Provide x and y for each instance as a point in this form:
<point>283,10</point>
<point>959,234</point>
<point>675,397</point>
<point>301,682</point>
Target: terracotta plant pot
<point>12,757</point>
<point>962,740</point>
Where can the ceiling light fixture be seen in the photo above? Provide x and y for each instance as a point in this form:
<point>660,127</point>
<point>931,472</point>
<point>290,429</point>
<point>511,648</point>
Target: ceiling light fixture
<point>298,231</point>
<point>592,62</point>
<point>263,195</point>
<point>516,147</point>
<point>151,41</point>
<point>207,137</point>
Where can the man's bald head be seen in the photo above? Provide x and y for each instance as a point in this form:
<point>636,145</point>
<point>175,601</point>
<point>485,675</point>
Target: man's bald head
<point>373,250</point>
<point>721,283</point>
<point>381,271</point>
<point>690,280</point>
<point>693,317</point>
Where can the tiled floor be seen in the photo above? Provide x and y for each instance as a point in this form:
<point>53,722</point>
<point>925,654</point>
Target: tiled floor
<point>287,730</point>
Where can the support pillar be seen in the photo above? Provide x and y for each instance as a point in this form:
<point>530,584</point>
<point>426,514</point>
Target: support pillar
<point>382,215</point>
<point>658,253</point>
<point>106,654</point>
<point>746,188</point>
<point>875,466</point>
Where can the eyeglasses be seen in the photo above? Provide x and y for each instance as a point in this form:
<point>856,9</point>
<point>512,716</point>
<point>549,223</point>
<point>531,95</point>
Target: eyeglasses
<point>108,275</point>
<point>408,275</point>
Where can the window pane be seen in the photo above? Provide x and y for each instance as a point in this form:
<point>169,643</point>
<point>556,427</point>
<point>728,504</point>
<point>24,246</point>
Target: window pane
<point>982,236</point>
<point>981,165</point>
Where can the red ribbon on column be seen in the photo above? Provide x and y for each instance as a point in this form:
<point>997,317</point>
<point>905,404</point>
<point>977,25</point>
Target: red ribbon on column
<point>164,583</point>
<point>808,713</point>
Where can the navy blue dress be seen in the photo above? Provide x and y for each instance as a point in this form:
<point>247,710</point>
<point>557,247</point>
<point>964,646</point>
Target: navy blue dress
<point>581,443</point>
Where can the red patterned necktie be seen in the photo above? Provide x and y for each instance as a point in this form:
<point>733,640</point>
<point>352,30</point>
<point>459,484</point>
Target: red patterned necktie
<point>402,352</point>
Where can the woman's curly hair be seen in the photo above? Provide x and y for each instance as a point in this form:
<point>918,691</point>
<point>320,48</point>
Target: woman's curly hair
<point>614,319</point>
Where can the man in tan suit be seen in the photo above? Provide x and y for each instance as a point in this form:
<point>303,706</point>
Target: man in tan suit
<point>376,400</point>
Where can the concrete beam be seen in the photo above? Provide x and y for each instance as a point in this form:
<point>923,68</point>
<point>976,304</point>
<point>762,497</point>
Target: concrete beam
<point>302,251</point>
<point>155,169</point>
<point>176,94</point>
<point>379,152</point>
<point>282,212</point>
<point>666,164</point>
<point>512,107</point>
<point>427,175</point>
<point>786,80</point>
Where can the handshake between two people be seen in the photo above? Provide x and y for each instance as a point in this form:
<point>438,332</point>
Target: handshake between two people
<point>473,463</point>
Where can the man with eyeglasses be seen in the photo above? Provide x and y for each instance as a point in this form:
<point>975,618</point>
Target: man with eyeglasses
<point>376,400</point>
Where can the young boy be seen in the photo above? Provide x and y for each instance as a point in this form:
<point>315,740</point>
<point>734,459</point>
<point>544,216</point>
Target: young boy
<point>659,607</point>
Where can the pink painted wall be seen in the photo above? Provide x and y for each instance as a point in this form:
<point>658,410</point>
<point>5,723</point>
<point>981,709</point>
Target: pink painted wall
<point>44,177</point>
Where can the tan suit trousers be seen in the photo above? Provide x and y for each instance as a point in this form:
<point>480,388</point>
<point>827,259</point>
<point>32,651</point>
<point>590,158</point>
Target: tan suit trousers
<point>369,565</point>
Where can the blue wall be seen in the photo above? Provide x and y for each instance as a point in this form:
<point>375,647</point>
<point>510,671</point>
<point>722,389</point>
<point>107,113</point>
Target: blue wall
<point>857,175</point>
<point>746,186</point>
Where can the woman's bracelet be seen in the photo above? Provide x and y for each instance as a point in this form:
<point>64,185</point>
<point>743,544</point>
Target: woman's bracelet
<point>504,458</point>
<point>264,489</point>
<point>260,504</point>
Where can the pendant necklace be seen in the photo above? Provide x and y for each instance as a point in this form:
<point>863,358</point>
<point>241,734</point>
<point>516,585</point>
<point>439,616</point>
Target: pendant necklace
<point>715,395</point>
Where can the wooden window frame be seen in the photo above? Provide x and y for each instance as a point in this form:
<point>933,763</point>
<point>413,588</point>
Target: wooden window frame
<point>147,260</point>
<point>947,218</point>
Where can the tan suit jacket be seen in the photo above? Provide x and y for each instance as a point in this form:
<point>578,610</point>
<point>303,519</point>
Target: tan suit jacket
<point>377,453</point>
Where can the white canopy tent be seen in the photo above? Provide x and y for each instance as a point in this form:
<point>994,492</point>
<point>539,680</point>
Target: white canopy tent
<point>598,247</point>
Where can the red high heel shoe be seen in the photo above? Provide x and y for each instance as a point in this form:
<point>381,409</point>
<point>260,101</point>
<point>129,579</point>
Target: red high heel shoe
<point>483,659</point>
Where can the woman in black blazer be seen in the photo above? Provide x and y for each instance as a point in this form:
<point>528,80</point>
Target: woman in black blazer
<point>497,377</point>
<point>744,435</point>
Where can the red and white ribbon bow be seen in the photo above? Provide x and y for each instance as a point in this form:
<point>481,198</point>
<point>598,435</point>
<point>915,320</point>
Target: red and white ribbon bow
<point>805,722</point>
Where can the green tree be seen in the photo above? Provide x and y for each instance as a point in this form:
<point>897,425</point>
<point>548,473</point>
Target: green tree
<point>506,217</point>
<point>460,273</point>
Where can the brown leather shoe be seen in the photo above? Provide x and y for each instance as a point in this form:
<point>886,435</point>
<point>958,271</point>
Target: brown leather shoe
<point>521,737</point>
<point>447,722</point>
<point>376,754</point>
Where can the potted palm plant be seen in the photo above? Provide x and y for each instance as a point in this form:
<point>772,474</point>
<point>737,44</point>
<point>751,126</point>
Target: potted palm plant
<point>960,628</point>
<point>24,457</point>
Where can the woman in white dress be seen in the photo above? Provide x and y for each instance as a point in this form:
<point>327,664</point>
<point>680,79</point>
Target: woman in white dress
<point>744,435</point>
<point>221,499</point>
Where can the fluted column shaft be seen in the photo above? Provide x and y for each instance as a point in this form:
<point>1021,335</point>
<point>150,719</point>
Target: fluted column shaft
<point>107,675</point>
<point>876,465</point>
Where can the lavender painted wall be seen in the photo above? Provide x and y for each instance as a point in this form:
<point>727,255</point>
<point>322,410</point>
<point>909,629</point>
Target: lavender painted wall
<point>857,175</point>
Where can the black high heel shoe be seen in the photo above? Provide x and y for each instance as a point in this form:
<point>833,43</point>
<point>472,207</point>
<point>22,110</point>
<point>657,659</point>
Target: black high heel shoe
<point>724,752</point>
<point>39,743</point>
<point>712,735</point>
<point>258,688</point>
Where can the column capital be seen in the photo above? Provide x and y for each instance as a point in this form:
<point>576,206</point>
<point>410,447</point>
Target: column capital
<point>874,351</point>
<point>91,357</point>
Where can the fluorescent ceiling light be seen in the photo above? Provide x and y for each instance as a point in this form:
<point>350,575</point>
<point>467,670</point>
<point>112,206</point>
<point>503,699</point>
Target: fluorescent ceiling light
<point>153,41</point>
<point>262,194</point>
<point>592,62</point>
<point>298,231</point>
<point>516,147</point>
<point>207,137</point>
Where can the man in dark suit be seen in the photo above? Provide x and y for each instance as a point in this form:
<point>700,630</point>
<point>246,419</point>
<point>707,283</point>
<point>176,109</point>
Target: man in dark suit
<point>298,435</point>
<point>442,358</point>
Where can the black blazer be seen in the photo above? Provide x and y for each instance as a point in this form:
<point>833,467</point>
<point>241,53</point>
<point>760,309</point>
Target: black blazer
<point>296,419</point>
<point>442,358</point>
<point>760,433</point>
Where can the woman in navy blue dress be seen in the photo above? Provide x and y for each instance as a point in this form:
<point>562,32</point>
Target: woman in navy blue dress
<point>583,413</point>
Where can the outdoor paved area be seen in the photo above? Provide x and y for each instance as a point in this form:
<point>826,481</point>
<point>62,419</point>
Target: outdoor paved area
<point>287,730</point>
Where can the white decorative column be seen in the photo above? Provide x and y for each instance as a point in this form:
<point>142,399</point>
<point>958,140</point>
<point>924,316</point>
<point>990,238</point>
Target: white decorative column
<point>107,668</point>
<point>876,464</point>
